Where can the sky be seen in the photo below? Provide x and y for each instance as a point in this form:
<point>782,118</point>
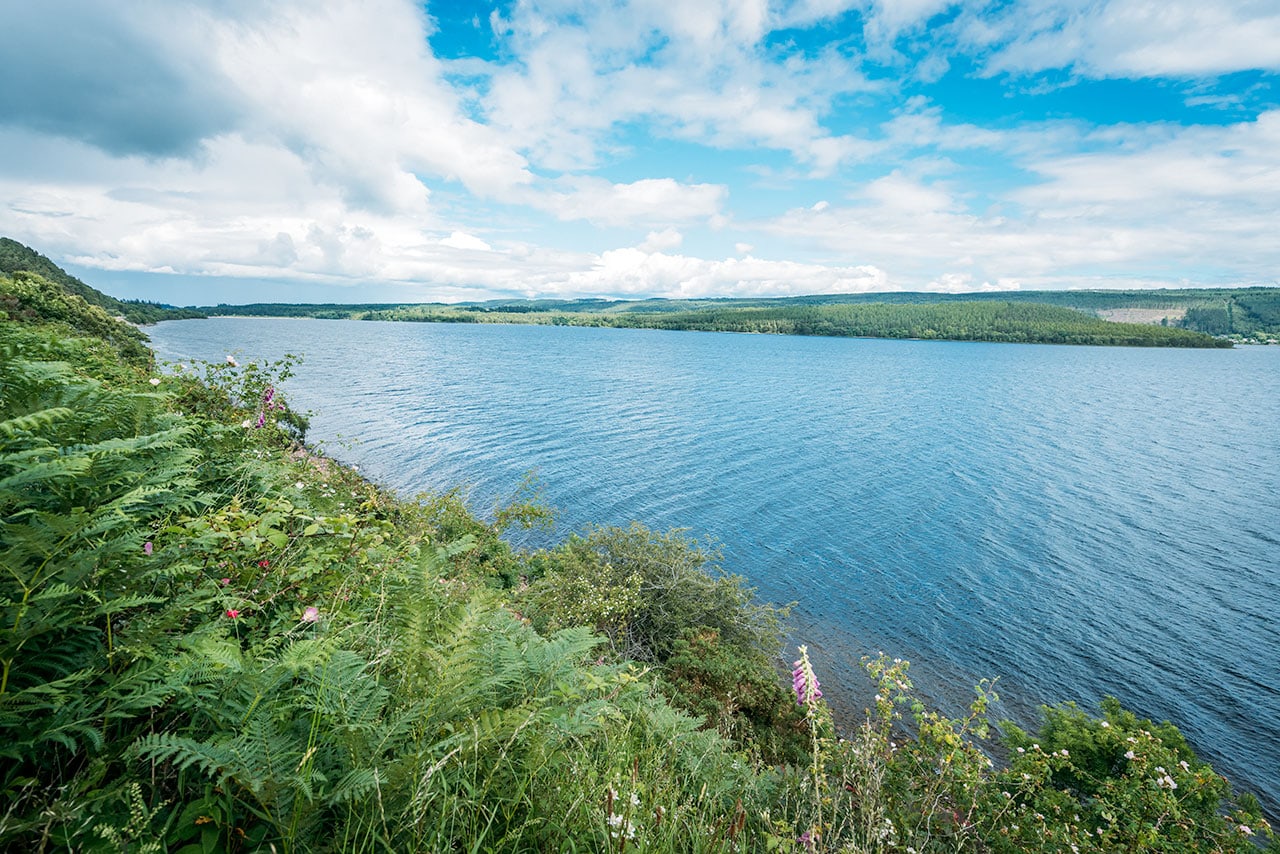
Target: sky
<point>391,151</point>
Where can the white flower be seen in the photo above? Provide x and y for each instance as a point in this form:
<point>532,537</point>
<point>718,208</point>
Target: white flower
<point>1246,830</point>
<point>299,485</point>
<point>154,381</point>
<point>231,360</point>
<point>635,799</point>
<point>246,424</point>
<point>1106,725</point>
<point>1129,754</point>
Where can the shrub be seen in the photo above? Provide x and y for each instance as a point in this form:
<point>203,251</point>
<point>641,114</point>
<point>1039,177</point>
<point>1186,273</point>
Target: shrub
<point>661,599</point>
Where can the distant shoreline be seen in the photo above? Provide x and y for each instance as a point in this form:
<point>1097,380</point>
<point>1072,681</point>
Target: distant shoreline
<point>988,321</point>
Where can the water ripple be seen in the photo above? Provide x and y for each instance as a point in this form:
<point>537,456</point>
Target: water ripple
<point>1076,521</point>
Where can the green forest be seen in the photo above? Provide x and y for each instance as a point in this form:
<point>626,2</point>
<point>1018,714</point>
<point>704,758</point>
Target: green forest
<point>956,321</point>
<point>215,638</point>
<point>1188,317</point>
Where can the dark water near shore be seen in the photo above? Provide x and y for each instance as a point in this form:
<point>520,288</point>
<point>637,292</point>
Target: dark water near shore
<point>1077,521</point>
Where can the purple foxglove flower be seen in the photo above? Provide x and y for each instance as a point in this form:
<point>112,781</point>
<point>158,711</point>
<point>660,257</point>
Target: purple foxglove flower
<point>804,681</point>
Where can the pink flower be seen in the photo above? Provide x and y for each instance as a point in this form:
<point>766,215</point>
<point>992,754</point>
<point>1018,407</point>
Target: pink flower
<point>311,615</point>
<point>146,547</point>
<point>804,681</point>
<point>226,581</point>
<point>232,613</point>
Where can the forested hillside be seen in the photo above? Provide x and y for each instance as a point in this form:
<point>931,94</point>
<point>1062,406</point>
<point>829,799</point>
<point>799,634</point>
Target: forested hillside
<point>1173,318</point>
<point>957,321</point>
<point>14,258</point>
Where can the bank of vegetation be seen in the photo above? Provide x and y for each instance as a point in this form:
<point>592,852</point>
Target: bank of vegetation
<point>1216,317</point>
<point>214,639</point>
<point>1022,323</point>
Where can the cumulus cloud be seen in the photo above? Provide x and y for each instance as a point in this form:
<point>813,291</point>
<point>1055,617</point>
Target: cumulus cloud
<point>462,240</point>
<point>647,200</point>
<point>600,147</point>
<point>1132,38</point>
<point>635,272</point>
<point>662,241</point>
<point>1188,199</point>
<point>694,71</point>
<point>129,84</point>
<point>372,114</point>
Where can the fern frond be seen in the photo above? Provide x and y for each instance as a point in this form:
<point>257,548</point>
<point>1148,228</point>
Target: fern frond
<point>63,468</point>
<point>355,786</point>
<point>33,421</point>
<point>184,753</point>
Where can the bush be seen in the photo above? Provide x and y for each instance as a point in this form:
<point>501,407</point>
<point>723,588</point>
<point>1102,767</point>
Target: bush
<point>662,600</point>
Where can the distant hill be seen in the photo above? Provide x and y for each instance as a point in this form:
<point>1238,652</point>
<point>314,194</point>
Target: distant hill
<point>1225,312</point>
<point>1184,317</point>
<point>15,258</point>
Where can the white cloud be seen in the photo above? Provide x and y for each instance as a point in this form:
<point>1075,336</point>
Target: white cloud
<point>634,272</point>
<point>337,147</point>
<point>889,18</point>
<point>649,200</point>
<point>1132,38</point>
<point>353,90</point>
<point>662,241</point>
<point>697,72</point>
<point>462,240</point>
<point>1141,200</point>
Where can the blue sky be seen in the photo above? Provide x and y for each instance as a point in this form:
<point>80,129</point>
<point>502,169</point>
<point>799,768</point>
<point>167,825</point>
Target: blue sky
<point>385,150</point>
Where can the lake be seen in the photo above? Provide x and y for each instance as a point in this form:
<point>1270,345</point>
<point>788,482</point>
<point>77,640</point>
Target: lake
<point>1076,521</point>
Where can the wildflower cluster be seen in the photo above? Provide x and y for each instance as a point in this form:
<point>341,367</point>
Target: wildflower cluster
<point>620,815</point>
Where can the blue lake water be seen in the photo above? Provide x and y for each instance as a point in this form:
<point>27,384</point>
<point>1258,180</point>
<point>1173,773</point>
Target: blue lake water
<point>1076,521</point>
